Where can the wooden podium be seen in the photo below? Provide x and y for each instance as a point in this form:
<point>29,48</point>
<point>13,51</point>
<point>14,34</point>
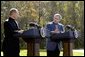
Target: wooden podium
<point>68,47</point>
<point>32,48</point>
<point>32,38</point>
<point>67,39</point>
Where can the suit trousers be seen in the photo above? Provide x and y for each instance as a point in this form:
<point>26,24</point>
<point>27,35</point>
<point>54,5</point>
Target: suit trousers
<point>53,53</point>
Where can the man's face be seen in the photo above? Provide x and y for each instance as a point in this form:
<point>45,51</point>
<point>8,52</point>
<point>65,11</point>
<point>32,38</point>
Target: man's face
<point>16,14</point>
<point>56,19</point>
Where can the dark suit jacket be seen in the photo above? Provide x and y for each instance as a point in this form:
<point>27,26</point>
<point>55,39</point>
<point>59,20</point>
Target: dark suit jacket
<point>10,43</point>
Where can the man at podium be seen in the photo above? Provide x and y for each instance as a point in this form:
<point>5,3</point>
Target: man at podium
<point>53,48</point>
<point>11,43</point>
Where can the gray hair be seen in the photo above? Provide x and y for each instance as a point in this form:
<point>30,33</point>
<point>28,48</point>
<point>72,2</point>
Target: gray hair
<point>13,10</point>
<point>60,17</point>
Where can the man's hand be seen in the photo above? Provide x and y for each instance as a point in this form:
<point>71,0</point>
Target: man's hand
<point>55,31</point>
<point>19,31</point>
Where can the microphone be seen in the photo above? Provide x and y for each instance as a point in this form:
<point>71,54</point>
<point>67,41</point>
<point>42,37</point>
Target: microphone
<point>70,27</point>
<point>33,24</point>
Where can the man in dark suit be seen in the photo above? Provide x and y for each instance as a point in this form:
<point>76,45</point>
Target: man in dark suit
<point>53,47</point>
<point>11,43</point>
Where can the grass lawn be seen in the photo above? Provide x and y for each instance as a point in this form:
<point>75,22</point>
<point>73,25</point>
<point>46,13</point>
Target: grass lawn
<point>43,53</point>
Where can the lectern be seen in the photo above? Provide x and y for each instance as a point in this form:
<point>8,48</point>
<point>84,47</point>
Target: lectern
<point>67,38</point>
<point>32,38</point>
